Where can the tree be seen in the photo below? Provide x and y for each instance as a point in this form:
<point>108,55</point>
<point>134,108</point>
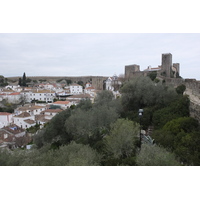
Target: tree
<point>104,98</point>
<point>24,80</point>
<point>152,75</point>
<point>181,89</point>
<point>86,125</point>
<point>77,155</point>
<point>155,156</point>
<point>72,154</point>
<point>142,92</point>
<point>54,131</point>
<point>20,82</point>
<point>121,142</point>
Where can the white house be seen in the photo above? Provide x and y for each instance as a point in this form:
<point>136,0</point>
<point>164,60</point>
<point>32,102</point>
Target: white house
<point>113,84</point>
<point>50,113</point>
<point>76,89</point>
<point>24,120</point>
<point>15,88</point>
<point>15,97</point>
<point>48,86</point>
<point>63,104</point>
<point>12,136</point>
<point>31,109</point>
<point>40,95</point>
<point>88,85</point>
<point>5,119</point>
<point>89,90</point>
<point>75,99</point>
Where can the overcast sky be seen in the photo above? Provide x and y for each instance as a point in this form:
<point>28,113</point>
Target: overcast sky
<point>104,54</point>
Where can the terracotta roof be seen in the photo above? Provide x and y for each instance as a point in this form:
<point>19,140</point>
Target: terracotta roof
<point>53,110</point>
<point>14,129</point>
<point>42,91</point>
<point>24,114</point>
<point>5,113</point>
<point>79,96</point>
<point>41,118</point>
<point>29,121</point>
<point>74,84</point>
<point>15,93</point>
<point>90,88</point>
<point>61,102</point>
<point>30,108</point>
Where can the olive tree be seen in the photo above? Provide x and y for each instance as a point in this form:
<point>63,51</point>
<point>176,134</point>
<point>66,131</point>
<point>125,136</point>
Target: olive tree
<point>152,155</point>
<point>121,142</point>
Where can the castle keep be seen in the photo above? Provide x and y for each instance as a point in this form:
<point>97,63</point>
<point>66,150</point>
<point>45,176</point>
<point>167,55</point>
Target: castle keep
<point>167,68</point>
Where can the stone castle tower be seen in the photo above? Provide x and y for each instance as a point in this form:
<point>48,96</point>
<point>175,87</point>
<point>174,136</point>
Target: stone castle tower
<point>166,64</point>
<point>167,68</point>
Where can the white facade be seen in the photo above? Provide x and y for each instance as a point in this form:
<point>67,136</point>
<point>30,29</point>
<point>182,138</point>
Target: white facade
<point>76,89</point>
<point>50,113</point>
<point>63,104</point>
<point>5,119</point>
<point>31,109</point>
<point>14,98</point>
<point>20,120</point>
<point>109,84</point>
<point>40,95</point>
<point>16,88</point>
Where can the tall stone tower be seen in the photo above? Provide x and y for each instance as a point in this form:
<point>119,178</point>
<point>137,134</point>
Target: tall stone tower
<point>130,70</point>
<point>166,66</point>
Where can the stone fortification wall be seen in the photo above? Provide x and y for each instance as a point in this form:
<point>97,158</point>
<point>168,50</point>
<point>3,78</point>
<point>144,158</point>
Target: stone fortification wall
<point>97,81</point>
<point>192,90</point>
<point>191,84</point>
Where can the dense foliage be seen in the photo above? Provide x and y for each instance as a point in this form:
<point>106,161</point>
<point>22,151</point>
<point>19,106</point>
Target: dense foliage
<point>107,131</point>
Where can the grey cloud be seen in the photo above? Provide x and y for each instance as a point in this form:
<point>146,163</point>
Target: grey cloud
<point>94,54</point>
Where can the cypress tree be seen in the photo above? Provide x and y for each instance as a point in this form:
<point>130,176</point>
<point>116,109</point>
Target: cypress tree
<point>20,82</point>
<point>24,80</point>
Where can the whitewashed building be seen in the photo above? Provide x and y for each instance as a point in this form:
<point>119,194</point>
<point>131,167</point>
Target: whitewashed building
<point>31,109</point>
<point>5,119</point>
<point>50,113</point>
<point>76,89</point>
<point>24,120</point>
<point>40,95</point>
<point>63,104</point>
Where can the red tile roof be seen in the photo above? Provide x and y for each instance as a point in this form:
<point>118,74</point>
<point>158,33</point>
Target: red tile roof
<point>24,114</point>
<point>61,102</point>
<point>5,113</point>
<point>53,110</point>
<point>15,93</point>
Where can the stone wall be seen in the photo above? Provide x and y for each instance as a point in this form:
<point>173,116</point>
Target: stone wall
<point>192,90</point>
<point>97,81</point>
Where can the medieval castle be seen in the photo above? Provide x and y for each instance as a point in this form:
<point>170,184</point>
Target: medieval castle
<point>167,69</point>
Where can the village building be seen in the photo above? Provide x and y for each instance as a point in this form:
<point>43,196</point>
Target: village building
<point>50,113</point>
<point>31,109</point>
<point>5,119</point>
<point>14,97</point>
<point>76,89</point>
<point>13,136</point>
<point>24,120</point>
<point>15,88</point>
<point>39,95</point>
<point>75,99</point>
<point>62,104</point>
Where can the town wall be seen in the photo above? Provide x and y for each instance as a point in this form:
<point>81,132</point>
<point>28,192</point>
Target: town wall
<point>97,81</point>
